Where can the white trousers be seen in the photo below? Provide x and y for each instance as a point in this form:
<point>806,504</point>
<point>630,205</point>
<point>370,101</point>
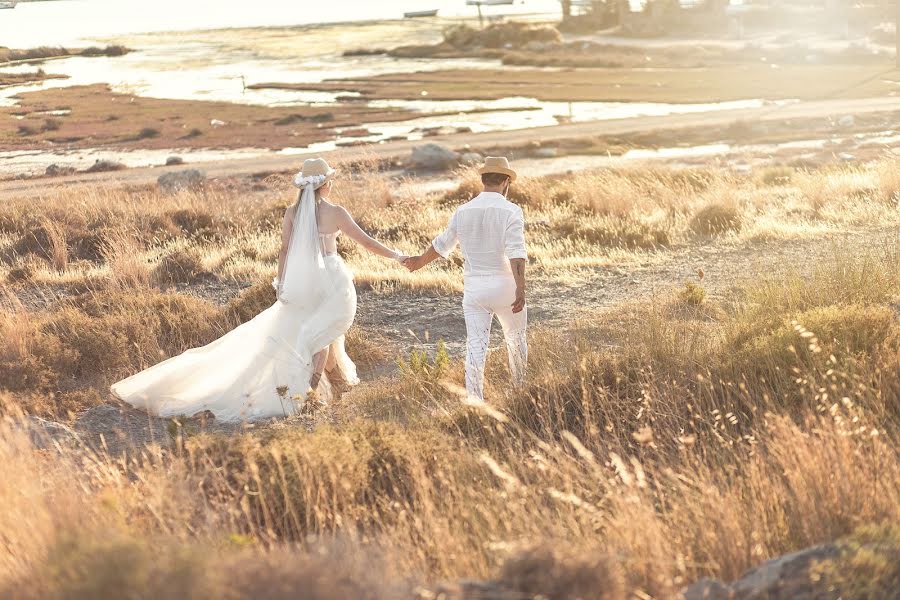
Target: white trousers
<point>485,297</point>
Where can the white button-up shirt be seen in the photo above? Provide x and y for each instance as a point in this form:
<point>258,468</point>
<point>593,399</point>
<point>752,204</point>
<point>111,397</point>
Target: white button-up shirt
<point>490,230</point>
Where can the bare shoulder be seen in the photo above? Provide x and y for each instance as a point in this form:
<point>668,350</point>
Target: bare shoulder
<point>333,211</point>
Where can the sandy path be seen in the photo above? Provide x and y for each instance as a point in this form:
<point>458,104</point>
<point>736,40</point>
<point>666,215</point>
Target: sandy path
<point>814,109</point>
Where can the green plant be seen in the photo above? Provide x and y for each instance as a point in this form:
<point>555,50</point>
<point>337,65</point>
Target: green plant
<point>692,294</point>
<point>423,368</point>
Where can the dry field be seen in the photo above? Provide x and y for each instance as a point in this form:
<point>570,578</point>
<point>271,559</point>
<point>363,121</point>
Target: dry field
<point>664,84</point>
<point>657,442</point>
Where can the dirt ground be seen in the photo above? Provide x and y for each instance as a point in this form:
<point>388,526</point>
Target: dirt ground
<point>616,131</point>
<point>706,84</point>
<point>94,116</point>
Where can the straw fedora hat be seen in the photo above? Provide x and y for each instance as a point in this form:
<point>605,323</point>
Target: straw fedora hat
<point>497,164</point>
<point>313,167</point>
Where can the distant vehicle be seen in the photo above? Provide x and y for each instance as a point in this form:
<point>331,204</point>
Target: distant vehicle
<point>420,13</point>
<point>8,4</point>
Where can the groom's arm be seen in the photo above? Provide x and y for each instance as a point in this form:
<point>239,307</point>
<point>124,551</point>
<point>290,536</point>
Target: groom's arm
<point>518,269</point>
<point>517,255</point>
<point>415,263</point>
<point>442,246</point>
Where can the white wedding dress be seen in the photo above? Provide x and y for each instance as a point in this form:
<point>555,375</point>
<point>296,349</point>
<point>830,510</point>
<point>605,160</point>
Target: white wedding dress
<point>262,368</point>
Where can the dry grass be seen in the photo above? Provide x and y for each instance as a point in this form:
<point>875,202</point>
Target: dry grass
<point>580,220</point>
<point>654,444</point>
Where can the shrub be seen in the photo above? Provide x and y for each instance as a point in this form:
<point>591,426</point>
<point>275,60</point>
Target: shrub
<point>889,181</point>
<point>147,133</point>
<point>807,341</point>
<point>251,302</point>
<point>27,130</point>
<point>555,573</point>
<point>611,232</point>
<point>692,294</point>
<point>179,267</point>
<point>194,222</point>
<point>780,175</point>
<point>868,566</point>
<point>717,219</point>
<point>104,166</point>
<point>423,368</point>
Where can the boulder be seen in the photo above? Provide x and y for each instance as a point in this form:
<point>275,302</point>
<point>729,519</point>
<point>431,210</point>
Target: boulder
<point>55,170</point>
<point>707,589</point>
<point>471,158</point>
<point>433,157</point>
<point>189,179</point>
<point>105,166</point>
<point>174,160</point>
<point>784,578</point>
<point>119,428</point>
<point>47,435</point>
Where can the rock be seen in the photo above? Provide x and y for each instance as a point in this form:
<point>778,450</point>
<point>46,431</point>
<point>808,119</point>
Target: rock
<point>46,434</point>
<point>546,152</point>
<point>471,158</point>
<point>174,160</point>
<point>707,589</point>
<point>472,590</point>
<point>55,170</point>
<point>433,157</point>
<point>216,123</point>
<point>119,428</point>
<point>846,121</point>
<point>783,578</point>
<point>189,179</point>
<point>104,166</point>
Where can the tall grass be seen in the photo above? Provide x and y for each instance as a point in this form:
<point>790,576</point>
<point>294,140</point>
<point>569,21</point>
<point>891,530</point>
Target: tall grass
<point>580,220</point>
<point>654,444</point>
<point>638,446</point>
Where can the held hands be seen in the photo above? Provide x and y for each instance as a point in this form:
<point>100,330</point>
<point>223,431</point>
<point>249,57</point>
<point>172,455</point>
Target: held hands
<point>413,263</point>
<point>519,304</point>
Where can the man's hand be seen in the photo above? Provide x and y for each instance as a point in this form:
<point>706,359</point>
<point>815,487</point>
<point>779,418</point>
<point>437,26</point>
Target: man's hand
<point>413,263</point>
<point>519,304</point>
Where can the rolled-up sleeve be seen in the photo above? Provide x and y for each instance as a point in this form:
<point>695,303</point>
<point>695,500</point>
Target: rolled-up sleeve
<point>446,242</point>
<point>514,241</point>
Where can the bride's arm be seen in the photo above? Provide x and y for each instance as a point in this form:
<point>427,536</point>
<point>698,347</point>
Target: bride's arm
<point>355,233</point>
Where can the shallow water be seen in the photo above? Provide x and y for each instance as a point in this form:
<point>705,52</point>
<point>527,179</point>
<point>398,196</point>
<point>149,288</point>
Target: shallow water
<point>36,162</point>
<point>73,21</point>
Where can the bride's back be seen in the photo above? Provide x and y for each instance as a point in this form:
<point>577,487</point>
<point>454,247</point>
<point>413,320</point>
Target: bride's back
<point>328,218</point>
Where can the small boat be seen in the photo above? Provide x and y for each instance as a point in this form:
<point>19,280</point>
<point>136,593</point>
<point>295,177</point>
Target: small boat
<point>8,4</point>
<point>420,13</point>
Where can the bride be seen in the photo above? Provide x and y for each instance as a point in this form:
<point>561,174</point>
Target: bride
<point>269,365</point>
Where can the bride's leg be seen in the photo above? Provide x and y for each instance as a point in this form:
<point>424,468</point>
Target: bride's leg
<point>320,360</point>
<point>336,376</point>
<point>331,363</point>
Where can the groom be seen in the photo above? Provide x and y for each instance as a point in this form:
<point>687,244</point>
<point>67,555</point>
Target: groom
<point>490,232</point>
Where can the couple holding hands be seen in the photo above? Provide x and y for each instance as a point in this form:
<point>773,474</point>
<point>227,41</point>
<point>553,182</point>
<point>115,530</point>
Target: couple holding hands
<point>268,366</point>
